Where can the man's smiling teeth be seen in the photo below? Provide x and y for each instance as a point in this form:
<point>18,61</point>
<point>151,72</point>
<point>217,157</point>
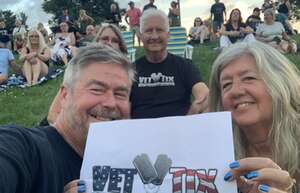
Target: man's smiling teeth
<point>101,118</point>
<point>242,105</point>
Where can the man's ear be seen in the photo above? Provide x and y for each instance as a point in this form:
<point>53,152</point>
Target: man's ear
<point>64,93</point>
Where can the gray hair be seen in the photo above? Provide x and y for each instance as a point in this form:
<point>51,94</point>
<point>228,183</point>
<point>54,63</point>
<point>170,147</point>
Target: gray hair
<point>152,13</point>
<point>282,79</point>
<point>270,11</point>
<point>95,52</point>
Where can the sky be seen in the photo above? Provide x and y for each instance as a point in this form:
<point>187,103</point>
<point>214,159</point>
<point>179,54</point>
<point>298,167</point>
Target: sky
<point>189,8</point>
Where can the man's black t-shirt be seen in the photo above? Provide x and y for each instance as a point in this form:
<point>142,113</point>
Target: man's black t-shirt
<point>36,161</point>
<point>163,89</point>
<point>217,10</point>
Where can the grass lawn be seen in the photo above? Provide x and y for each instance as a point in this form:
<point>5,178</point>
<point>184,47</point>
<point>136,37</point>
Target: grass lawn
<point>29,106</point>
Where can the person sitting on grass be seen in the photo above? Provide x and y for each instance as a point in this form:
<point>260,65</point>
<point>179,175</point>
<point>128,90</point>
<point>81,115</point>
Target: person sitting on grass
<point>64,42</point>
<point>199,32</point>
<point>34,56</point>
<point>6,59</point>
<point>273,33</point>
<point>90,33</point>
<point>254,20</point>
<point>165,83</point>
<point>235,30</point>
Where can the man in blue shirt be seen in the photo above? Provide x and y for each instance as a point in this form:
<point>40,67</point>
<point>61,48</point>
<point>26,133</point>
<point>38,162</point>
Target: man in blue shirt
<point>6,59</point>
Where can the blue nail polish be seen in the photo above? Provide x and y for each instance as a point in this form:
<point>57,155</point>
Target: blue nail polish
<point>80,183</point>
<point>228,176</point>
<point>251,175</point>
<point>263,188</point>
<point>234,165</point>
<point>81,189</point>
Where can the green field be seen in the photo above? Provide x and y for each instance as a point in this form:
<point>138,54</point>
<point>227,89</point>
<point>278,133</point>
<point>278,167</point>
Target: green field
<point>29,106</point>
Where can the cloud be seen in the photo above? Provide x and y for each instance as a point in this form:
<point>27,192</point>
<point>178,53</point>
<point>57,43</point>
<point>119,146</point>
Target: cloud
<point>32,8</point>
<point>8,2</point>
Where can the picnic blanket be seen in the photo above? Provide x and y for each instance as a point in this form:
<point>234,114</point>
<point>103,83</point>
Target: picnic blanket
<point>20,81</point>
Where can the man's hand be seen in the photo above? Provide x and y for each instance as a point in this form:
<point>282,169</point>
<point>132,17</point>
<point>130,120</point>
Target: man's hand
<point>200,103</point>
<point>75,186</point>
<point>199,106</point>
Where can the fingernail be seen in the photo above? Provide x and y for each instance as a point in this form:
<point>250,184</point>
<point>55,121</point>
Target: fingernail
<point>228,176</point>
<point>263,188</point>
<point>80,183</point>
<point>251,175</point>
<point>81,189</point>
<point>234,165</point>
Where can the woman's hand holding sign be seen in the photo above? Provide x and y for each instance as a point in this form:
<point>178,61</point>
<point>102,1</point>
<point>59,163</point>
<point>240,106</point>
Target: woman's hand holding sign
<point>257,174</point>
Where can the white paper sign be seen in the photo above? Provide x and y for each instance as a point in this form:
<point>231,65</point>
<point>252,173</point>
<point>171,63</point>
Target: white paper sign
<point>186,154</point>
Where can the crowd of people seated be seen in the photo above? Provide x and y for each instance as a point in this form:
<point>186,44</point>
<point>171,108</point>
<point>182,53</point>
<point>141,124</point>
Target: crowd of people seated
<point>273,33</point>
<point>274,29</point>
<point>276,21</point>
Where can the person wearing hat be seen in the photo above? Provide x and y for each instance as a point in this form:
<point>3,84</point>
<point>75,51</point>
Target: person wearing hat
<point>254,20</point>
<point>134,15</point>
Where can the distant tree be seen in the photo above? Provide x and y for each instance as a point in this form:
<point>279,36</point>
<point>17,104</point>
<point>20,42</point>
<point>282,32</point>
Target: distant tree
<point>23,17</point>
<point>97,9</point>
<point>9,17</point>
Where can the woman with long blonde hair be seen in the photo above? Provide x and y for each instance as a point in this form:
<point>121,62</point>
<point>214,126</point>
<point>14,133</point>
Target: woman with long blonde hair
<point>260,87</point>
<point>34,56</point>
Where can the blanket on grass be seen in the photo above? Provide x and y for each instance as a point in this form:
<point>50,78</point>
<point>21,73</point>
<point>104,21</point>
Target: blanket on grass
<point>20,81</point>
